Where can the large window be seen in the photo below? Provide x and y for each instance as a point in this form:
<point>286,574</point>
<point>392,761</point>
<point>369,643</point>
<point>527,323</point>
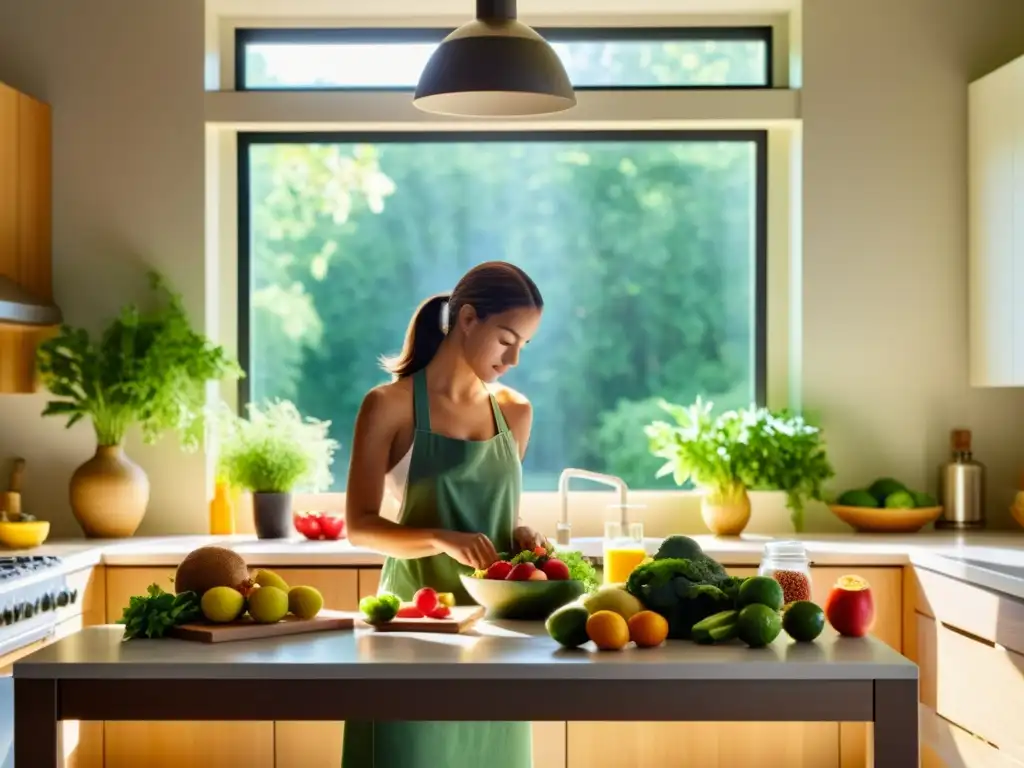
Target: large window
<point>275,59</point>
<point>649,249</point>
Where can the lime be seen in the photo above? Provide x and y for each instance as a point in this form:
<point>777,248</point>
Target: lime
<point>803,620</point>
<point>568,625</point>
<point>758,625</point>
<point>899,500</point>
<point>761,589</point>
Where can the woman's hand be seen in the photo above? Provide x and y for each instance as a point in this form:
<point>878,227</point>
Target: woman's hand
<point>527,538</point>
<point>472,549</point>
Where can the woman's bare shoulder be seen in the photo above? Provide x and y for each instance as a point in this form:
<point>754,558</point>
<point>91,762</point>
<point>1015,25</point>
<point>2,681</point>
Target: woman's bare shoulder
<point>514,404</point>
<point>389,403</point>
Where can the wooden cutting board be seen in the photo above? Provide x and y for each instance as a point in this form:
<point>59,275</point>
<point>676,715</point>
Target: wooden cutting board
<point>462,618</point>
<point>247,629</point>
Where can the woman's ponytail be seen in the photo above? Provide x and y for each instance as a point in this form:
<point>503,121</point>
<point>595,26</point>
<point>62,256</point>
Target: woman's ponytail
<point>422,339</point>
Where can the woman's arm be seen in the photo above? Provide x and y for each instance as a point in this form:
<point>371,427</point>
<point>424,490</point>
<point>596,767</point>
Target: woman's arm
<point>519,415</point>
<point>376,425</point>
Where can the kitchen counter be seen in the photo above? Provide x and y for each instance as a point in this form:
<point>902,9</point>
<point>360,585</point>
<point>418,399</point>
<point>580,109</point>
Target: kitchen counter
<point>992,560</point>
<point>95,675</point>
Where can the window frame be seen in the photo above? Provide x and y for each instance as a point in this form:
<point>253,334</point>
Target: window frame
<point>243,36</point>
<point>759,138</point>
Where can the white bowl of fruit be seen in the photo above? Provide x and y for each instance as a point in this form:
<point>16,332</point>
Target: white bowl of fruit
<point>531,585</point>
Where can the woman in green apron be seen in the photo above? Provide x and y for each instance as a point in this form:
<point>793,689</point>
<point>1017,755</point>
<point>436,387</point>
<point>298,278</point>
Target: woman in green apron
<point>450,446</point>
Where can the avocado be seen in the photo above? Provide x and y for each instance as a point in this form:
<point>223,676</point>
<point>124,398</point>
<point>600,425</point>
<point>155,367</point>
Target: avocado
<point>884,487</point>
<point>857,498</point>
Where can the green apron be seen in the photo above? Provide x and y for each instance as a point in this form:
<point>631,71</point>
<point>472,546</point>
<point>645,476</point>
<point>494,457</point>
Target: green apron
<point>458,485</point>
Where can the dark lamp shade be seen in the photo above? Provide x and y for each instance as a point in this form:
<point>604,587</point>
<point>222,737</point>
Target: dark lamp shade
<point>494,69</point>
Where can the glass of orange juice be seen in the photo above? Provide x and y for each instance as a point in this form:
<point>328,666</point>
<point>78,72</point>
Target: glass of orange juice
<point>623,549</point>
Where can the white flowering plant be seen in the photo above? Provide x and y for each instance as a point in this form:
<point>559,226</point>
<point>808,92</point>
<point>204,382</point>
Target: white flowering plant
<point>739,450</point>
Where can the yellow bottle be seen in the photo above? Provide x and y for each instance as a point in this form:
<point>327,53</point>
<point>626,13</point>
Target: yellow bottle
<point>222,511</point>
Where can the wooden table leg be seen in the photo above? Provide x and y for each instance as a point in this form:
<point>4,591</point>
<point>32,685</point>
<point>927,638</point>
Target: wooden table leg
<point>35,723</point>
<point>897,732</point>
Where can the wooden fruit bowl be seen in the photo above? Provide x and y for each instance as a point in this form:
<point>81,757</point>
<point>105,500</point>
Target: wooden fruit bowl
<point>880,520</point>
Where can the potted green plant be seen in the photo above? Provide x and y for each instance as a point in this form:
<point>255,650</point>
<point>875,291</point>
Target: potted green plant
<point>738,451</point>
<point>270,454</point>
<point>147,368</point>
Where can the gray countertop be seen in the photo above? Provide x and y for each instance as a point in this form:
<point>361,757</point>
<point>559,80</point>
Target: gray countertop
<point>519,651</point>
<point>994,560</point>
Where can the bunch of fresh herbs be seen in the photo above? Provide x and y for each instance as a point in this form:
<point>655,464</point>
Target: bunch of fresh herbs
<point>275,450</point>
<point>153,614</point>
<point>741,450</point>
<point>146,368</point>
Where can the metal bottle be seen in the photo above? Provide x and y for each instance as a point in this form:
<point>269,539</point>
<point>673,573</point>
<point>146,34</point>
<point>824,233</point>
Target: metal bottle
<point>961,487</point>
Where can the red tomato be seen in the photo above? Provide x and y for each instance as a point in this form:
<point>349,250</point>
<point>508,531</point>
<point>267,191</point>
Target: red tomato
<point>850,607</point>
<point>426,600</point>
<point>441,612</point>
<point>409,612</point>
<point>308,525</point>
<point>332,526</point>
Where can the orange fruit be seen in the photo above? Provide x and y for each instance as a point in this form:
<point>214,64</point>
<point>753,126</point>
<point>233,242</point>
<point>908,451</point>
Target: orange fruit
<point>608,630</point>
<point>647,629</point>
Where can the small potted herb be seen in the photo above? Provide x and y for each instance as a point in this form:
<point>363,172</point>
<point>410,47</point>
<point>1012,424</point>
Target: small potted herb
<point>271,453</point>
<point>738,451</point>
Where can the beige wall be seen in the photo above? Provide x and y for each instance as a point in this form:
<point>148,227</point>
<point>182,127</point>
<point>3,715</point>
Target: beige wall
<point>884,303</point>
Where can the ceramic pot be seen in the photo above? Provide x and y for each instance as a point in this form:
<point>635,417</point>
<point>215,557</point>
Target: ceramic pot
<point>725,517</point>
<point>272,515</point>
<point>109,494</point>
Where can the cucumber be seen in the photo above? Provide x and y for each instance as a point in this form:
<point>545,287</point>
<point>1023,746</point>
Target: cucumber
<point>717,628</point>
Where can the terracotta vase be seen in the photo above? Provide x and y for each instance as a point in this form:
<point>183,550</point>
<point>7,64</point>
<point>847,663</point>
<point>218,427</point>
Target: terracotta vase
<point>725,517</point>
<point>109,494</point>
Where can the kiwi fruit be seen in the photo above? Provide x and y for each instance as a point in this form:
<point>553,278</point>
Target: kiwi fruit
<point>267,578</point>
<point>305,602</point>
<point>222,604</point>
<point>208,567</point>
<point>268,605</point>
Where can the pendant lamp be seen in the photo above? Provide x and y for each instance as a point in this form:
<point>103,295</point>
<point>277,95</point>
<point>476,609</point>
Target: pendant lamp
<point>494,66</point>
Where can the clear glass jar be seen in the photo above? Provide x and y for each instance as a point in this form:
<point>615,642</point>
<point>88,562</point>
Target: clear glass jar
<point>788,564</point>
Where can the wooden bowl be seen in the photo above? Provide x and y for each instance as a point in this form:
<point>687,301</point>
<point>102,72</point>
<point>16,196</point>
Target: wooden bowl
<point>24,535</point>
<point>880,520</point>
<point>527,600</point>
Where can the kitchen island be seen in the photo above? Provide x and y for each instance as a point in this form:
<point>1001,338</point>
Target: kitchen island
<point>940,598</point>
<point>489,673</point>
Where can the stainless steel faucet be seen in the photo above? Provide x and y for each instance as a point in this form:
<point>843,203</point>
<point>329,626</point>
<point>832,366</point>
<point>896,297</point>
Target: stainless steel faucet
<point>563,533</point>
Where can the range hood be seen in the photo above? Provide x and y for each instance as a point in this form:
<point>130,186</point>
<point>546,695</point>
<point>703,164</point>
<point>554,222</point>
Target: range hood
<point>19,307</point>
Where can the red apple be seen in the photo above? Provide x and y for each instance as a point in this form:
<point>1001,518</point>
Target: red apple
<point>850,606</point>
<point>556,570</point>
<point>499,570</point>
<point>426,600</point>
<point>522,572</point>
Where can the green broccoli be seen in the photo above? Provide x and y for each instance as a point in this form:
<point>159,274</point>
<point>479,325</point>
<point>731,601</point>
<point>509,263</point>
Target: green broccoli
<point>679,547</point>
<point>683,591</point>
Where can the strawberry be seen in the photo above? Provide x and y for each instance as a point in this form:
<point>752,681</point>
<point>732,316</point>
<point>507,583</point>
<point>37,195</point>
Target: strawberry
<point>499,570</point>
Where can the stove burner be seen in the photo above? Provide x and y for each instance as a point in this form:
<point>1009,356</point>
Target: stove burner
<point>25,565</point>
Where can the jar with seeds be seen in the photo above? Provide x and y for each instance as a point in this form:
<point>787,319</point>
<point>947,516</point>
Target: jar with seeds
<point>788,564</point>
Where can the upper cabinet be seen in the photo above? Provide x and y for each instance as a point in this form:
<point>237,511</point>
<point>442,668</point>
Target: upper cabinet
<point>996,215</point>
<point>27,312</point>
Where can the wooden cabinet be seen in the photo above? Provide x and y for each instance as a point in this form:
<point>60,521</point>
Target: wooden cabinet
<point>968,643</point>
<point>25,225</point>
<point>767,745</point>
<point>996,240</point>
